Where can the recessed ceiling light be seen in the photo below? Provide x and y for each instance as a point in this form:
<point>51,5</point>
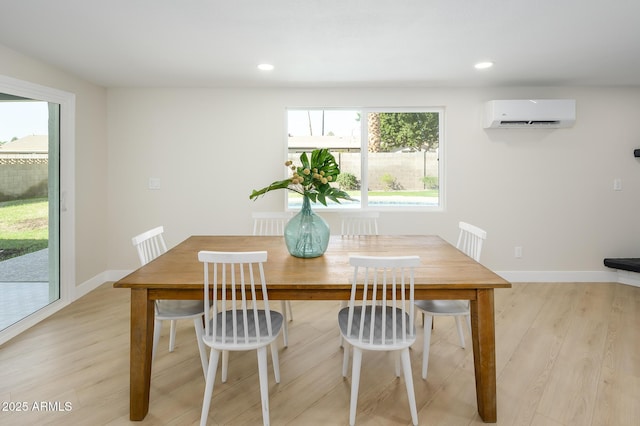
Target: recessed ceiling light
<point>265,67</point>
<point>483,65</point>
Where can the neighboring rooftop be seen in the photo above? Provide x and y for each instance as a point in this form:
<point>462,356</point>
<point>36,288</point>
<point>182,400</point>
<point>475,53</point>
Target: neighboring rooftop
<point>34,144</point>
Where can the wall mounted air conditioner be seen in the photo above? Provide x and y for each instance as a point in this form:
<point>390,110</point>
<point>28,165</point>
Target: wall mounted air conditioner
<point>529,113</point>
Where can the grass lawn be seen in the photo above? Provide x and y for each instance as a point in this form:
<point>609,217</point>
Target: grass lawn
<point>24,227</point>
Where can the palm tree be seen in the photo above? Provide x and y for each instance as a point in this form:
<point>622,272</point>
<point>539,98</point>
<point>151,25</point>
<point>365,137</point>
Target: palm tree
<point>373,129</point>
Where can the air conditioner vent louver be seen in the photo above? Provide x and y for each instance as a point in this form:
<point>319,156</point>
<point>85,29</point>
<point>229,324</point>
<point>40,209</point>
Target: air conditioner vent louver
<point>533,123</point>
<point>530,113</point>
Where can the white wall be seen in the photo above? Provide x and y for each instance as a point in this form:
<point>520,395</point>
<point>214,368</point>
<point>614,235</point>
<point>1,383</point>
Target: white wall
<point>90,156</point>
<point>549,191</point>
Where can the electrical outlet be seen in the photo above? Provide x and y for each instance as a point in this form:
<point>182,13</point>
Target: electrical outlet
<point>617,184</point>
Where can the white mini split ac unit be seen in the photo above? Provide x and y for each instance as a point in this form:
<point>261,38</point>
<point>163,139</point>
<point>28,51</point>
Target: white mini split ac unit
<point>530,113</point>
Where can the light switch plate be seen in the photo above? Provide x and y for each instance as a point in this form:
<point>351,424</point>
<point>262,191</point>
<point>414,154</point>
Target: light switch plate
<point>154,183</point>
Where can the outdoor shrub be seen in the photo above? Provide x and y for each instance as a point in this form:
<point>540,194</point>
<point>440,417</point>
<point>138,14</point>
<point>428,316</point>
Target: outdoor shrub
<point>390,181</point>
<point>430,182</point>
<point>347,181</point>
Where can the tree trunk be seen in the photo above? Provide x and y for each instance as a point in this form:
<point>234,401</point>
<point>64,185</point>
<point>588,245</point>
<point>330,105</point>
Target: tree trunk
<point>373,125</point>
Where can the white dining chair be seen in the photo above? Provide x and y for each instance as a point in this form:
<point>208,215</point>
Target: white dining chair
<point>381,319</point>
<point>270,223</point>
<point>233,282</point>
<point>470,240</point>
<point>354,224</point>
<point>359,223</point>
<point>149,245</point>
<point>273,223</point>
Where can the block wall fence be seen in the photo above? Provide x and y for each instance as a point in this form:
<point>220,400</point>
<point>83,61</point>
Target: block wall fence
<point>23,176</point>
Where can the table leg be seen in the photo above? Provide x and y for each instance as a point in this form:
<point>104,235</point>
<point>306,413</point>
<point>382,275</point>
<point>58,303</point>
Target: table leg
<point>142,317</point>
<point>484,353</point>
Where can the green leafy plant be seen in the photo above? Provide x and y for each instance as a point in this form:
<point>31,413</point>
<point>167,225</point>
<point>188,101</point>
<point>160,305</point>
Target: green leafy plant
<point>311,179</point>
<point>389,181</point>
<point>347,181</point>
<point>430,182</point>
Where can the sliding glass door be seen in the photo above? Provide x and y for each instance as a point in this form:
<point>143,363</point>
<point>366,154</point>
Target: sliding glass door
<point>37,210</point>
<point>29,207</point>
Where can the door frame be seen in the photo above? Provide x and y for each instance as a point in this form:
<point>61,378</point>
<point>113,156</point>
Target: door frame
<point>67,102</point>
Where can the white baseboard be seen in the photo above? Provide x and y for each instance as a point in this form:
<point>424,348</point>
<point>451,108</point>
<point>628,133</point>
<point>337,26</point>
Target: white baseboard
<point>98,280</point>
<point>115,275</point>
<point>89,285</point>
<point>629,278</point>
<point>622,277</point>
<point>617,276</point>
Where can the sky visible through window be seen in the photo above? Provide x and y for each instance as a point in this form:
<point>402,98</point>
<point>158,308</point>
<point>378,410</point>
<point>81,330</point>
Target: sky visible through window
<point>20,119</point>
<point>323,123</point>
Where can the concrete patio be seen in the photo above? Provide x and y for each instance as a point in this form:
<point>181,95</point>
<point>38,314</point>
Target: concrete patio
<point>24,286</point>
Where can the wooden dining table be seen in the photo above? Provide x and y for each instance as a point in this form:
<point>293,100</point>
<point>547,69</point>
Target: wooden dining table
<point>444,273</point>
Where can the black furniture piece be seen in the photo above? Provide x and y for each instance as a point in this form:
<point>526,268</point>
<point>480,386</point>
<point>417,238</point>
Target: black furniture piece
<point>626,264</point>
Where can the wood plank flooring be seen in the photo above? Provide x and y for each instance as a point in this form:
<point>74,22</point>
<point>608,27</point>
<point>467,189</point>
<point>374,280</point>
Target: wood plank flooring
<point>567,354</point>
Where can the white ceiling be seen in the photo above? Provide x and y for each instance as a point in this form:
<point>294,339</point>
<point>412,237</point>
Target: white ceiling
<point>211,43</point>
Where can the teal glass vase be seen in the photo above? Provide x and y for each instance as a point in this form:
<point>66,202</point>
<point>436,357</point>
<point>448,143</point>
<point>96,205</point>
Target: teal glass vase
<point>306,234</point>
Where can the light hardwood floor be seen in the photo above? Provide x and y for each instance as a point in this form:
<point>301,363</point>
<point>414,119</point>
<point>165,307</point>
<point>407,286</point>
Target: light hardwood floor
<point>567,354</point>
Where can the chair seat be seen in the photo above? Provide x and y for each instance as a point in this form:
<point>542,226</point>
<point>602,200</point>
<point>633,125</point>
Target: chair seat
<point>352,338</point>
<point>235,323</point>
<point>372,322</point>
<point>179,308</point>
<point>150,245</point>
<point>443,307</point>
<point>470,240</point>
<point>251,338</point>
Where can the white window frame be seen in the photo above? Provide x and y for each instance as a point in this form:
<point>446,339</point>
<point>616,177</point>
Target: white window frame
<point>364,137</point>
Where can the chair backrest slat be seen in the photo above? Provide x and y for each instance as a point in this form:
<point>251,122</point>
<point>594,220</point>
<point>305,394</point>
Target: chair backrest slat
<point>378,278</point>
<point>470,240</point>
<point>230,294</point>
<point>270,223</point>
<point>150,244</point>
<point>360,223</point>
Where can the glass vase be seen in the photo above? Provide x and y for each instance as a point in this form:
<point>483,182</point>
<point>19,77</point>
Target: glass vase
<point>306,234</point>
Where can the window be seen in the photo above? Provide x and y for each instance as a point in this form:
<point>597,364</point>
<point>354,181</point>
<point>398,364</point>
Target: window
<point>389,158</point>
